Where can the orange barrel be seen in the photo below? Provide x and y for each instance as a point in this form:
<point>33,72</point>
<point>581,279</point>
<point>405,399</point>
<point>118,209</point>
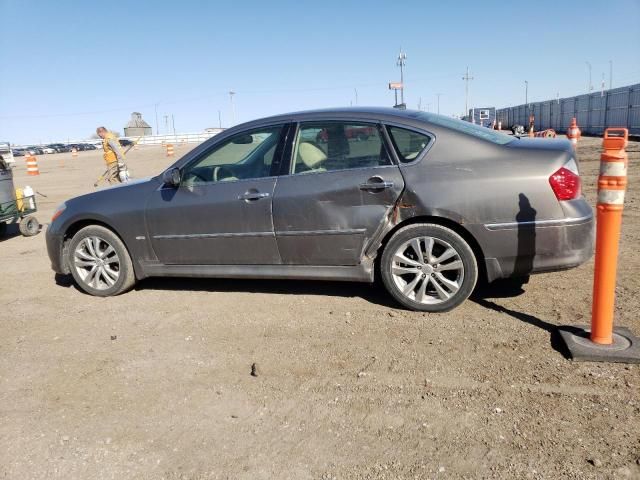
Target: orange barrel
<point>32,165</point>
<point>612,183</point>
<point>169,150</point>
<point>74,152</point>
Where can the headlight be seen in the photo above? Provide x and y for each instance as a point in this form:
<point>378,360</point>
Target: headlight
<point>61,208</point>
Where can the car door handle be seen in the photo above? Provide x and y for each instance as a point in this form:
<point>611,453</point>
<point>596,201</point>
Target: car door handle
<point>375,183</point>
<point>252,196</point>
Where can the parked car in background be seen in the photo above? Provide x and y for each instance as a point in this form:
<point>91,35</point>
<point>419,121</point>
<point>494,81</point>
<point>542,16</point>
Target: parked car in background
<point>18,152</point>
<point>88,146</point>
<point>33,150</point>
<point>124,142</point>
<point>48,150</point>
<point>59,147</point>
<point>428,204</point>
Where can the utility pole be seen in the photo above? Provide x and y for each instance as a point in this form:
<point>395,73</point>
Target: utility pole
<point>402,58</point>
<point>157,129</point>
<point>419,103</point>
<point>438,95</point>
<point>166,123</point>
<point>466,79</point>
<point>233,108</point>
<point>173,123</point>
<point>219,118</point>
<point>602,86</point>
<point>590,84</point>
<point>526,93</point>
<point>356,92</point>
<point>610,74</point>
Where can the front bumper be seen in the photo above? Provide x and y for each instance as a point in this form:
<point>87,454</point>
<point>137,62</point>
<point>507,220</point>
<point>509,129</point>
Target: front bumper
<point>55,245</point>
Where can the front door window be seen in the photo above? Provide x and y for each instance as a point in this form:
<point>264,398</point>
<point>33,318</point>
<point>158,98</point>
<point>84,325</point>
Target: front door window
<point>243,156</point>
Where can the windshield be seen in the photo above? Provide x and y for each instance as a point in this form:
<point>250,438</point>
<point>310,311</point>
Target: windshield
<point>466,127</point>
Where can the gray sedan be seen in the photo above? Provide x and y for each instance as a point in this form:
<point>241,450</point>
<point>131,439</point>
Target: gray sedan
<point>426,203</point>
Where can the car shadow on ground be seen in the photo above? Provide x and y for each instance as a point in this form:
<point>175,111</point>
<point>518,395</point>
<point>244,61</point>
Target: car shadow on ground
<point>373,293</point>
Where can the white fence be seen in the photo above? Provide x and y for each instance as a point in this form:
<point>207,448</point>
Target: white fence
<point>176,139</point>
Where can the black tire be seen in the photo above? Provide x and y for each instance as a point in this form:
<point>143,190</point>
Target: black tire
<point>443,239</point>
<point>29,226</point>
<point>126,277</point>
<point>3,228</point>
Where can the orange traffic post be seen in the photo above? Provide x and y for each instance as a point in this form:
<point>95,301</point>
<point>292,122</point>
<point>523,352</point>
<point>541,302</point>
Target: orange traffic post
<point>612,184</point>
<point>574,133</point>
<point>32,165</point>
<point>500,125</point>
<point>602,342</point>
<point>531,131</point>
<point>169,150</point>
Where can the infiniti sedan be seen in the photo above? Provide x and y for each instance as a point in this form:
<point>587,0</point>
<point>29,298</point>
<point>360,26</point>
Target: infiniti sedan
<point>425,203</point>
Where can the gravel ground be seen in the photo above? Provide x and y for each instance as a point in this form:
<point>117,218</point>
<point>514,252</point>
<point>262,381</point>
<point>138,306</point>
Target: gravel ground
<point>157,384</point>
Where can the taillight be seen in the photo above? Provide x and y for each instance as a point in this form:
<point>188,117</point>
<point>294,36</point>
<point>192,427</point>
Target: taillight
<point>566,182</point>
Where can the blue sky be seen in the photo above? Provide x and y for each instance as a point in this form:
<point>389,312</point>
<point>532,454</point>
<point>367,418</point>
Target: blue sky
<point>69,66</point>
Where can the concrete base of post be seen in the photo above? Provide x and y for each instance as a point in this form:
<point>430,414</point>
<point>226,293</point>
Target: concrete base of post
<point>625,347</point>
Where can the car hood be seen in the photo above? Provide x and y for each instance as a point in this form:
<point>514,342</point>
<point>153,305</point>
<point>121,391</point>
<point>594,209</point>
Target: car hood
<point>131,190</point>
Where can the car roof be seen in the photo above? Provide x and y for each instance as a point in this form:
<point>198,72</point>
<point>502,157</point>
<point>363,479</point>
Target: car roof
<point>356,112</point>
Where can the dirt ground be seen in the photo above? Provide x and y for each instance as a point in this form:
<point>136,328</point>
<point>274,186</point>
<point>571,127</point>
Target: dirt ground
<point>156,383</point>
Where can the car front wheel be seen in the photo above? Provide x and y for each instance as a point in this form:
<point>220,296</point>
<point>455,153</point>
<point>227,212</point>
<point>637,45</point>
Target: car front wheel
<point>428,267</point>
<point>99,262</point>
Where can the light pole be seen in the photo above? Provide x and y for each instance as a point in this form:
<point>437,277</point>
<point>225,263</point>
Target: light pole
<point>233,108</point>
<point>356,92</point>
<point>610,74</point>
<point>438,95</point>
<point>156,107</point>
<point>526,93</point>
<point>589,67</point>
<point>466,79</point>
<point>402,57</point>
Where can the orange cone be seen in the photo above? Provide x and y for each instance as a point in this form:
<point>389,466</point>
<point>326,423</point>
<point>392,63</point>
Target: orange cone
<point>574,133</point>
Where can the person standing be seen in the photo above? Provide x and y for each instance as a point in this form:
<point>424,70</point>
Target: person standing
<point>113,155</point>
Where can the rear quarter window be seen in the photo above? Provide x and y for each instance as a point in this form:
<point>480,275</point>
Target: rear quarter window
<point>408,143</point>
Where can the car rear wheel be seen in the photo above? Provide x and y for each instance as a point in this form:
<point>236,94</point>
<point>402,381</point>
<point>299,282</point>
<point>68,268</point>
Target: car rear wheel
<point>429,268</point>
<point>99,262</point>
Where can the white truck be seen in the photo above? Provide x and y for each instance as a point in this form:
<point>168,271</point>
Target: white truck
<point>7,155</point>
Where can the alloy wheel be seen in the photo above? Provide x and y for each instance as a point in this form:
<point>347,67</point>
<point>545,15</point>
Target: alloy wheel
<point>97,263</point>
<point>427,270</point>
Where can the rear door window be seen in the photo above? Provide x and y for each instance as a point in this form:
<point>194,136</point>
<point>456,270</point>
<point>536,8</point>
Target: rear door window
<point>409,144</point>
<point>334,145</point>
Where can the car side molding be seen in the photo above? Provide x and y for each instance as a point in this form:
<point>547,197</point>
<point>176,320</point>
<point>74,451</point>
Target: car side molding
<point>539,223</point>
<point>363,272</point>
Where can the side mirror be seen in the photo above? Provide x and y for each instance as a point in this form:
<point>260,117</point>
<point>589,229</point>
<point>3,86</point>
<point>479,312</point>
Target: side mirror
<point>171,177</point>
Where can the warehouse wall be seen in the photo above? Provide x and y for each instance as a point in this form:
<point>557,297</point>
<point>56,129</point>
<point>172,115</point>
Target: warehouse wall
<point>619,107</point>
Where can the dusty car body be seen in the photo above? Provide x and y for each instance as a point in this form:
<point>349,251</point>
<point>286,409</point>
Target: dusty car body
<point>515,203</point>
